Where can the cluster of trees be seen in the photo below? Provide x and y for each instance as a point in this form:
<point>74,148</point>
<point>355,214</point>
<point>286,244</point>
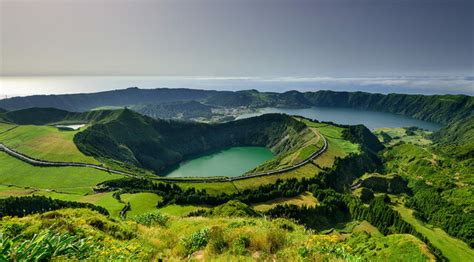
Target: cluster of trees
<point>23,206</point>
<point>331,210</point>
<point>431,207</point>
<point>173,194</point>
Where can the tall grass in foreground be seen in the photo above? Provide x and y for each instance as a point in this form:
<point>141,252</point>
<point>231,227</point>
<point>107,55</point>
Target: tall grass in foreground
<point>44,246</point>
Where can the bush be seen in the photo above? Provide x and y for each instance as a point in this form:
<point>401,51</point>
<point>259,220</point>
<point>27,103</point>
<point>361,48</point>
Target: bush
<point>196,241</point>
<point>151,219</point>
<point>240,245</point>
<point>217,243</point>
<point>276,239</point>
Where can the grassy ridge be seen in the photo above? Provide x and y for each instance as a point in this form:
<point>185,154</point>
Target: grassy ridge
<point>44,142</point>
<point>159,144</point>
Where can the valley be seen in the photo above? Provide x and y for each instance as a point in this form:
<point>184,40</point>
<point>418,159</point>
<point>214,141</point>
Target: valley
<point>346,184</point>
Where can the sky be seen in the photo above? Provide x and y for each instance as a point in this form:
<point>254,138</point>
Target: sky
<point>426,45</point>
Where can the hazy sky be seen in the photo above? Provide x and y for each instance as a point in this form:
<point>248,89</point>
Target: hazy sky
<point>273,38</point>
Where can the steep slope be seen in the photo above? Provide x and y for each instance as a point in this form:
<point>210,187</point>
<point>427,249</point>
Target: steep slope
<point>457,139</point>
<point>158,144</point>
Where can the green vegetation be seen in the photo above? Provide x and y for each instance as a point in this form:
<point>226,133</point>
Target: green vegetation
<point>76,180</point>
<point>151,219</point>
<point>456,139</point>
<point>44,142</point>
<point>50,116</point>
<point>452,248</point>
<point>159,144</point>
<point>99,238</point>
<point>233,208</point>
<point>22,206</point>
<point>140,203</point>
<point>305,199</point>
<point>412,135</point>
<point>359,200</point>
<point>180,210</point>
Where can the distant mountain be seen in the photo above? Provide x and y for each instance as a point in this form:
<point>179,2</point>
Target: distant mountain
<point>46,116</point>
<point>436,108</point>
<point>124,97</point>
<point>183,110</point>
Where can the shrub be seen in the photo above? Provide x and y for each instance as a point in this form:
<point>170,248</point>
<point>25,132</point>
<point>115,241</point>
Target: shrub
<point>196,241</point>
<point>276,239</point>
<point>284,224</point>
<point>217,243</point>
<point>152,218</point>
<point>240,245</point>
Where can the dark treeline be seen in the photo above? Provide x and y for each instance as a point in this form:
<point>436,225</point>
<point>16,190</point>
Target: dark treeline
<point>23,206</point>
<point>431,207</point>
<point>173,194</point>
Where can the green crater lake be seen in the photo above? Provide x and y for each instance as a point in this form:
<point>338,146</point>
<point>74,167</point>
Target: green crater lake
<point>230,162</point>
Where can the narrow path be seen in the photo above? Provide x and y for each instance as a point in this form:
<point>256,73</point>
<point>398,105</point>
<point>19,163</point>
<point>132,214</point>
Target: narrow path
<point>43,163</point>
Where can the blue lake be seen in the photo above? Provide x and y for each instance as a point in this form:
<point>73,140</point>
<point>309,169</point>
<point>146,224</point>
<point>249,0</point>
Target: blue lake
<point>349,116</point>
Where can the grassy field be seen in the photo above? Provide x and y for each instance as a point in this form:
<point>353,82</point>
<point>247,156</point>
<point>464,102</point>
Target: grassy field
<point>307,171</point>
<point>7,191</point>
<point>454,249</point>
<point>44,142</point>
<point>337,145</point>
<point>417,137</point>
<point>79,180</point>
<point>140,202</point>
<point>180,210</point>
<point>306,199</point>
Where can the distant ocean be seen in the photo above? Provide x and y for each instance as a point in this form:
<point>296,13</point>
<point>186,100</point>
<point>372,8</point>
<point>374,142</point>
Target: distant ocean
<point>22,86</point>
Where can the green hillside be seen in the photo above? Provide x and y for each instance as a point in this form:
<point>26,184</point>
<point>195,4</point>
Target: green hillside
<point>93,236</point>
<point>406,199</point>
<point>457,138</point>
<point>159,144</point>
